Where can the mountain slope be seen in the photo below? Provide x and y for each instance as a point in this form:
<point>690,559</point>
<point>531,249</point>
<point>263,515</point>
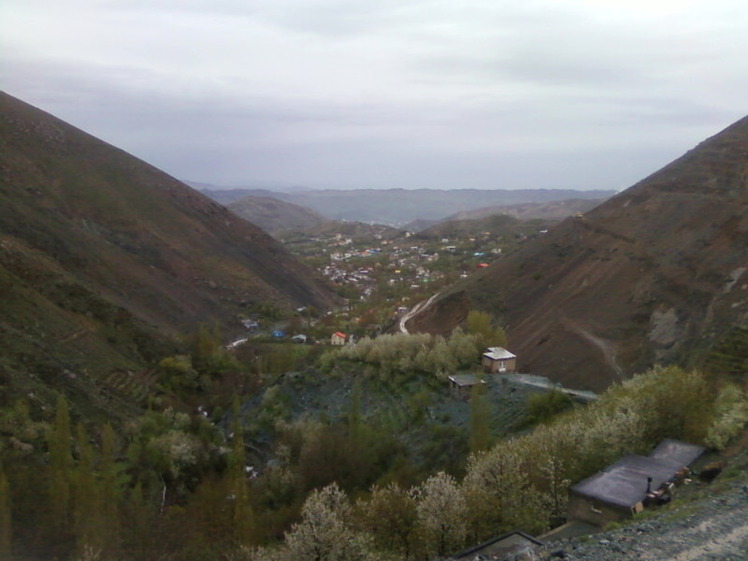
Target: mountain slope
<point>657,273</point>
<point>274,215</point>
<point>552,210</point>
<point>100,252</point>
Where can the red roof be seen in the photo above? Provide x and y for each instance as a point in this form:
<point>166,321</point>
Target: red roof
<point>339,334</point>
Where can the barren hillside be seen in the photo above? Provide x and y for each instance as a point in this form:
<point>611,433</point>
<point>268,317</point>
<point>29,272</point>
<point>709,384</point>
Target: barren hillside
<point>655,274</point>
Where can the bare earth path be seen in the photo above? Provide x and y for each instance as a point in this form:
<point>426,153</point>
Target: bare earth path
<point>413,311</point>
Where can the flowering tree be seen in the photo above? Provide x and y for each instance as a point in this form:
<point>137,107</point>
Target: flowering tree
<point>325,532</point>
<point>441,513</point>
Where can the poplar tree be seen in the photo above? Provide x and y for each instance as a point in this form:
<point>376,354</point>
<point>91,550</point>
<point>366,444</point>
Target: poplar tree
<point>60,464</point>
<point>354,415</point>
<point>241,509</point>
<point>86,499</point>
<point>6,525</point>
<point>111,489</point>
<point>480,417</point>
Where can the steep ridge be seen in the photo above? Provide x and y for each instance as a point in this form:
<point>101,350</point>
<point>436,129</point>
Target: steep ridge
<point>657,273</point>
<point>100,251</point>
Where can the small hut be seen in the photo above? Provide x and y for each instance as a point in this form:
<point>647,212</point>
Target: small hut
<point>461,385</point>
<point>338,338</point>
<point>627,486</point>
<point>498,359</point>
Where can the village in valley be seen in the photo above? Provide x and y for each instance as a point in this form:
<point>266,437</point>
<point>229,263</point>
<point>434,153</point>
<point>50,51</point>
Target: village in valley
<point>381,271</point>
<point>381,276</point>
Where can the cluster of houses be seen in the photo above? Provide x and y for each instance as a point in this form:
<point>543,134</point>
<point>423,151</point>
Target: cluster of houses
<point>411,265</point>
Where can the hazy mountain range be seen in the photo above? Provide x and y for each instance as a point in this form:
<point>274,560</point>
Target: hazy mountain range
<point>398,207</point>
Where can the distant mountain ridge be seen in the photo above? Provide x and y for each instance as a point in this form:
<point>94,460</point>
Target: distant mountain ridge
<point>483,219</point>
<point>274,215</point>
<point>400,206</point>
<point>103,255</point>
<point>551,210</point>
<point>658,273</point>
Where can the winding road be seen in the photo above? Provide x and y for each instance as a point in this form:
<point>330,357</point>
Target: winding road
<point>407,316</point>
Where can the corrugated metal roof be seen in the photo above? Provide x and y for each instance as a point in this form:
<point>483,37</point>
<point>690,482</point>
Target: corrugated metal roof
<point>624,483</point>
<point>681,452</point>
<point>498,353</point>
<point>464,380</point>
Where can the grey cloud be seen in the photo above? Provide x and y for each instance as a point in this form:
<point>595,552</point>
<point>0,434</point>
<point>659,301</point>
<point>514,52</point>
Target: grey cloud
<point>388,94</point>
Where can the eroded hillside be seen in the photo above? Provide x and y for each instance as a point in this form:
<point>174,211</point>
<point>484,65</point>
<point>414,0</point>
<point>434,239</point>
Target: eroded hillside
<point>655,274</point>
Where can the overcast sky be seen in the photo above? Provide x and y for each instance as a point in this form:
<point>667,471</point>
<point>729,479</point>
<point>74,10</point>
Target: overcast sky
<point>386,93</point>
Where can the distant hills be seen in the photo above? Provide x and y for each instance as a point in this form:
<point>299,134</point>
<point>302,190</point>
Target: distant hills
<point>397,207</point>
<point>275,215</point>
<point>658,273</point>
<point>557,209</point>
<point>104,257</point>
<point>505,219</point>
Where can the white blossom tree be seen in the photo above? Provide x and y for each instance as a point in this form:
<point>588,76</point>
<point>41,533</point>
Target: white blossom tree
<point>326,531</point>
<point>442,513</point>
<point>499,492</point>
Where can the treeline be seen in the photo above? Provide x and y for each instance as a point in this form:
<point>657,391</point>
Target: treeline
<point>520,483</point>
<point>397,358</point>
<point>174,486</point>
<point>97,495</point>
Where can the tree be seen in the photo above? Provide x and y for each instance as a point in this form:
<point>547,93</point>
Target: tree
<point>354,415</point>
<point>6,527</point>
<point>480,324</point>
<point>731,416</point>
<point>242,516</point>
<point>208,357</point>
<point>87,503</point>
<point>464,347</point>
<point>542,407</point>
<point>390,517</point>
<point>442,513</point>
<point>111,483</point>
<point>60,464</point>
<point>499,493</point>
<point>480,417</point>
<point>325,532</point>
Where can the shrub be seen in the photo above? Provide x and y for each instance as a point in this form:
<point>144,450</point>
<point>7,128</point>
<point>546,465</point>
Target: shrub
<point>731,416</point>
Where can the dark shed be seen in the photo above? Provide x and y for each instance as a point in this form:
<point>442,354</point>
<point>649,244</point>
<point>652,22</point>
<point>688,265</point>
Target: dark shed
<point>620,490</point>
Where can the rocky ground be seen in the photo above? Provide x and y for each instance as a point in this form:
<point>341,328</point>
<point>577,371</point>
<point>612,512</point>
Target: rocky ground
<point>707,522</point>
